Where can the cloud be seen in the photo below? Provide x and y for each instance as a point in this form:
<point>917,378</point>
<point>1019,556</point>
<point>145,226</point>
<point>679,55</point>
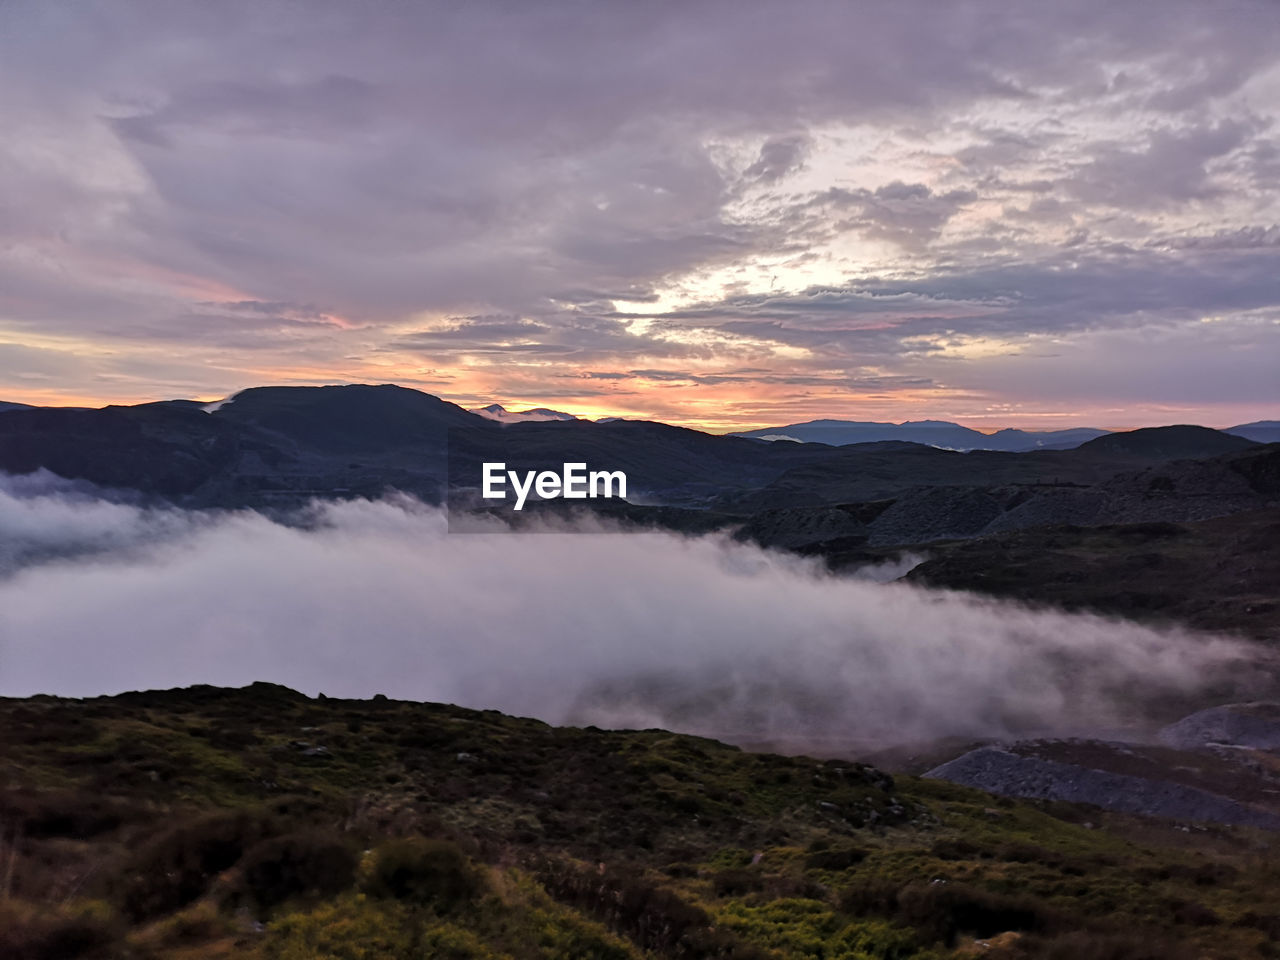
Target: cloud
<point>1171,168</point>
<point>390,167</point>
<point>702,635</point>
<point>908,214</point>
<point>779,156</point>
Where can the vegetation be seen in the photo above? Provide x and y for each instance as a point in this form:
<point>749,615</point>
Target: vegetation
<point>259,823</point>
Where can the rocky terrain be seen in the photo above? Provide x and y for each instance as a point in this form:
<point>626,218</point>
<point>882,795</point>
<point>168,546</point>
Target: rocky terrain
<point>1252,726</point>
<point>1174,784</point>
<point>1219,765</point>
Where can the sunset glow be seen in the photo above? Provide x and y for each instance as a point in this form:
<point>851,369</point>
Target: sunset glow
<point>1002,234</point>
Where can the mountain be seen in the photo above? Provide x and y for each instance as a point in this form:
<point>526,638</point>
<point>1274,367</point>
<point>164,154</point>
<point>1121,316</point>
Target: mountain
<point>260,822</point>
<point>894,497</point>
<point>496,411</point>
<point>262,446</point>
<point>1012,440</point>
<point>936,433</point>
<point>283,446</point>
<point>275,445</point>
<point>13,406</point>
<point>1216,575</point>
<point>666,464</point>
<point>1167,443</point>
<point>890,468</point>
<point>1260,431</point>
<point>348,419</point>
<point>159,449</point>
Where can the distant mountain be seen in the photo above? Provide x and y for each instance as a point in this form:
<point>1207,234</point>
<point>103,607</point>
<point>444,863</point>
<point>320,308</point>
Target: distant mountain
<point>496,411</point>
<point>276,446</point>
<point>1178,442</point>
<point>14,406</point>
<point>264,445</point>
<point>1260,431</point>
<point>348,419</point>
<point>281,445</point>
<point>158,449</point>
<point>663,463</point>
<point>934,433</point>
<point>1015,441</point>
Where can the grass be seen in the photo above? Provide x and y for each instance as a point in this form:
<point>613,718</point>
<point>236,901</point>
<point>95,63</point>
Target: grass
<point>259,823</point>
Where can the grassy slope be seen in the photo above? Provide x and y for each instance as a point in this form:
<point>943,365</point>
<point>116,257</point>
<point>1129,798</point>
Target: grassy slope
<point>210,823</point>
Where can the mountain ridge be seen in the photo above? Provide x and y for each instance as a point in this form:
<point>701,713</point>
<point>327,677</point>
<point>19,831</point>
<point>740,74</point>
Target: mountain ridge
<point>940,433</point>
<point>275,444</point>
<point>496,411</point>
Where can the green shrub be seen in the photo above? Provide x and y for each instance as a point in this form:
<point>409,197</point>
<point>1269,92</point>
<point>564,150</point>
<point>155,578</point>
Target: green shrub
<point>423,871</point>
<point>178,866</point>
<point>957,849</point>
<point>942,910</point>
<point>28,932</point>
<point>80,814</point>
<point>939,911</point>
<point>1193,913</point>
<point>872,897</point>
<point>1088,945</point>
<point>295,864</point>
<point>1268,923</point>
<point>835,858</point>
<point>736,882</point>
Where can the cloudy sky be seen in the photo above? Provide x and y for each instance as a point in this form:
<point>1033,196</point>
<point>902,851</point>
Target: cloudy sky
<point>720,214</point>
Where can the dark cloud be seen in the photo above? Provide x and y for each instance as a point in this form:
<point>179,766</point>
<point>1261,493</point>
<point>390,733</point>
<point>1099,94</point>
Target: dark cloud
<point>779,156</point>
<point>1171,168</point>
<point>909,214</point>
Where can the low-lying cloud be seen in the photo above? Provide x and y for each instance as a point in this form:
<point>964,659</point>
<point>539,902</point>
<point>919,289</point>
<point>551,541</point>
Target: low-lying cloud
<point>640,629</point>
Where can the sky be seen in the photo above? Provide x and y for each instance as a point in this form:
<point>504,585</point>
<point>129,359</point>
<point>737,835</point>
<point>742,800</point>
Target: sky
<point>723,215</point>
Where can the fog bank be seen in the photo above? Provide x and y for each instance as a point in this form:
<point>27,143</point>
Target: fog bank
<point>637,629</point>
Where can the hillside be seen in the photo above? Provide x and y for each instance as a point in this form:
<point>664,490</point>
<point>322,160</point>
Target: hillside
<point>358,418</point>
<point>260,823</point>
<point>273,446</point>
<point>1218,574</point>
<point>161,449</point>
<point>1168,443</point>
<point>1260,431</point>
<point>878,496</point>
